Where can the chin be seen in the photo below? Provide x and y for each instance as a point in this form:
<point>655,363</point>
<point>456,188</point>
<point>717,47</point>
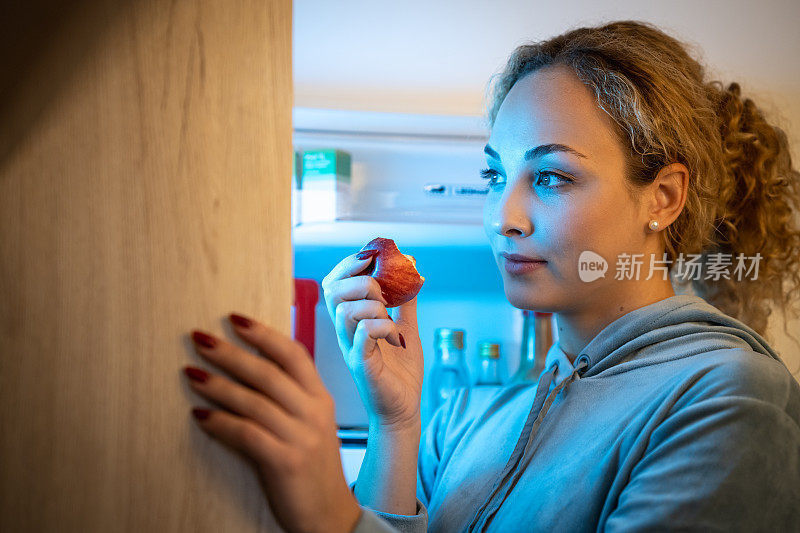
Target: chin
<point>531,299</point>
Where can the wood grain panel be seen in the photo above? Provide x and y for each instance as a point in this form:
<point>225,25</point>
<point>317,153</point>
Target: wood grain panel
<point>145,150</point>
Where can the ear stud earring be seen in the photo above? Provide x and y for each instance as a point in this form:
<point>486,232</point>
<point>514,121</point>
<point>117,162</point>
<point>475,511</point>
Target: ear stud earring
<point>653,225</point>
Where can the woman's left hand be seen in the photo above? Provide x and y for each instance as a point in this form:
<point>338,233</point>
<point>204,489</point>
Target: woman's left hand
<point>280,415</point>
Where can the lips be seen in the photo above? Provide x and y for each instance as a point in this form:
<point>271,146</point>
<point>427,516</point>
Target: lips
<point>522,267</point>
<point>522,258</point>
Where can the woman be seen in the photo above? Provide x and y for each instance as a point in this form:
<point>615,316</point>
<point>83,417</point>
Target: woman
<point>655,410</point>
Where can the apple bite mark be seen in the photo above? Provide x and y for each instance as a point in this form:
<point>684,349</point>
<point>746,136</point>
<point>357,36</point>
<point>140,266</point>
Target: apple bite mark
<point>414,262</point>
<point>395,272</point>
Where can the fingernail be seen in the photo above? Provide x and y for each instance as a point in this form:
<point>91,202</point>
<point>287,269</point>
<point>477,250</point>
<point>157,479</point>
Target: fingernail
<point>196,374</point>
<point>200,414</point>
<point>364,254</point>
<point>402,340</point>
<point>241,321</point>
<point>204,340</point>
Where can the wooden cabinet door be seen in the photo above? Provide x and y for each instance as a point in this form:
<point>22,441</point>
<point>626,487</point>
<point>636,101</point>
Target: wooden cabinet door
<point>145,162</point>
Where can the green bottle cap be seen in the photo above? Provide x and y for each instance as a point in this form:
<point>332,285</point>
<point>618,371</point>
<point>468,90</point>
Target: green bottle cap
<point>450,338</point>
<point>489,350</point>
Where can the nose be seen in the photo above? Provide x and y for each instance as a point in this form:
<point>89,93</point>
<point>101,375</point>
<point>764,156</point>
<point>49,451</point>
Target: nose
<point>509,216</point>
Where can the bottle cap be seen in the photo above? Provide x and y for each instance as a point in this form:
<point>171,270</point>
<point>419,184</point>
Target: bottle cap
<point>452,338</point>
<point>489,350</point>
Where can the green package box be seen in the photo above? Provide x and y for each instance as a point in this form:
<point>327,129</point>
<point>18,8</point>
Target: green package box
<point>325,185</point>
<point>326,165</point>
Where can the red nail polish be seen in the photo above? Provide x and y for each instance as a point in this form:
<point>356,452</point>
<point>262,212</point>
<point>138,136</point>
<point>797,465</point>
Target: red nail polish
<point>365,254</point>
<point>402,341</point>
<point>203,339</point>
<point>241,321</point>
<point>200,414</point>
<point>196,374</point>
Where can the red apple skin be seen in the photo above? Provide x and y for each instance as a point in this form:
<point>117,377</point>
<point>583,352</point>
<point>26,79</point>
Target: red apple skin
<point>394,272</point>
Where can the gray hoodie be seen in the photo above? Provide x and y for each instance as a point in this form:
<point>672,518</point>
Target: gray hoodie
<point>674,417</point>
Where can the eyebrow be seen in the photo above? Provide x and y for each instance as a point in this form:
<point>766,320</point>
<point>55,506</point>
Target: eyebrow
<point>539,151</point>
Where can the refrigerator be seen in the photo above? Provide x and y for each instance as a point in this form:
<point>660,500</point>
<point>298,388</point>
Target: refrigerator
<point>414,179</point>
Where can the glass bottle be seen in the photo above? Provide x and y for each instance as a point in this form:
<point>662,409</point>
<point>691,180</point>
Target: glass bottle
<point>537,338</point>
<point>449,369</point>
<point>490,372</point>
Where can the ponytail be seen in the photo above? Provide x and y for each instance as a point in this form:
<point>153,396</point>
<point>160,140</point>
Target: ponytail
<point>758,199</point>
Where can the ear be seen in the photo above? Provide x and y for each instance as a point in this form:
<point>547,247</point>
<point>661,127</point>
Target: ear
<point>667,194</point>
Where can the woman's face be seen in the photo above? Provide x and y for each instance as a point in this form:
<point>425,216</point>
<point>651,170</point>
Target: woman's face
<point>558,190</point>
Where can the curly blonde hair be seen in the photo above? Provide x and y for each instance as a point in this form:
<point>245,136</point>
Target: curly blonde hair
<point>743,192</point>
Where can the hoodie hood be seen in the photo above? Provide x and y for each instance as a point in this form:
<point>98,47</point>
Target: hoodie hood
<point>672,328</point>
<point>642,336</point>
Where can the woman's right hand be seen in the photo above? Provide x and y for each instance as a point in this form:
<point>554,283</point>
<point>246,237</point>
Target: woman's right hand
<point>388,377</point>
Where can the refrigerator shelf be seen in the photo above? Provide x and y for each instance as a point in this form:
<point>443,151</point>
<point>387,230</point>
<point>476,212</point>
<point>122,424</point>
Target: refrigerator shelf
<point>355,233</point>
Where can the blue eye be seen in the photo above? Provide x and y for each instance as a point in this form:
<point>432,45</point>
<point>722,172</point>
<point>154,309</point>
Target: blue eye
<point>491,175</point>
<point>544,175</point>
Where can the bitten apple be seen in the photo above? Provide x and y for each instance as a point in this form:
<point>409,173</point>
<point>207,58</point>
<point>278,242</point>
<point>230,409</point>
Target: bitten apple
<point>394,271</point>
